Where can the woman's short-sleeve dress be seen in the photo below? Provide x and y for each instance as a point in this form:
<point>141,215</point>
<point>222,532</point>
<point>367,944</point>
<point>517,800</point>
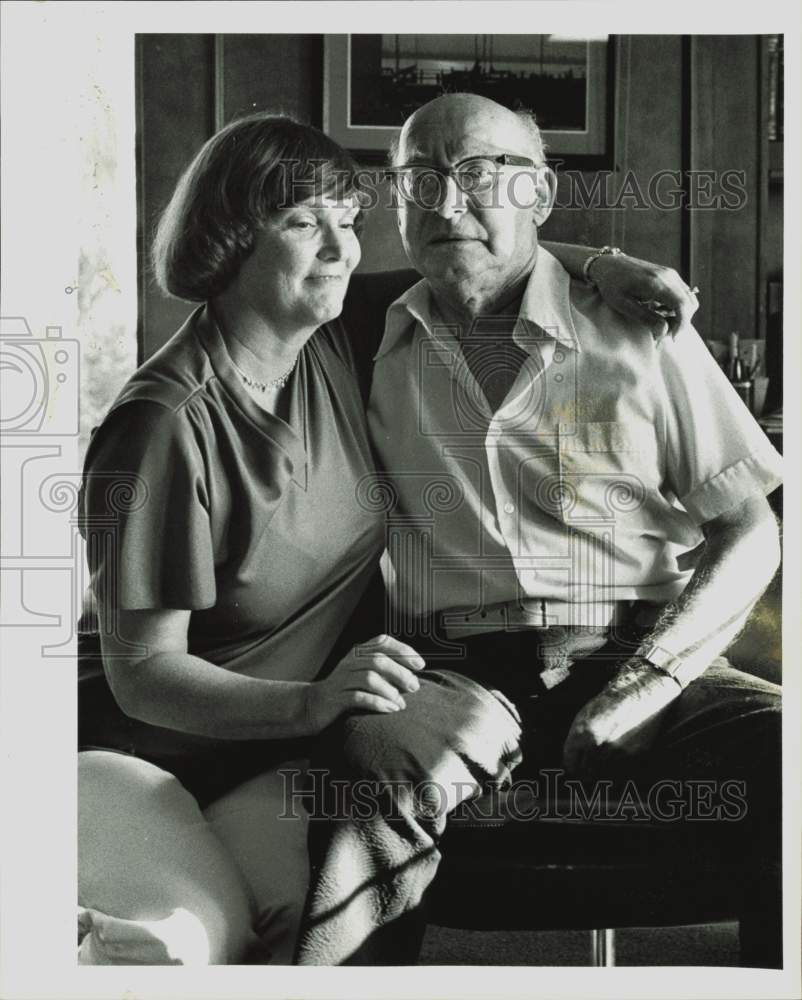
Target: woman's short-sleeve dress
<point>195,498</point>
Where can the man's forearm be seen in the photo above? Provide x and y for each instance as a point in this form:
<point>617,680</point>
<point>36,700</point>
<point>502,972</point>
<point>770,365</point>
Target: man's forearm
<point>740,557</point>
<point>737,564</point>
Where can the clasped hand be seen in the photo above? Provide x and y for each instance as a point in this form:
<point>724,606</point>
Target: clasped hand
<point>373,677</point>
<point>621,721</point>
<point>656,295</point>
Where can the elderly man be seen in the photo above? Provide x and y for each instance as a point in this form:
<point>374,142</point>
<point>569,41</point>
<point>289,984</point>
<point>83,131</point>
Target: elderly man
<point>577,528</point>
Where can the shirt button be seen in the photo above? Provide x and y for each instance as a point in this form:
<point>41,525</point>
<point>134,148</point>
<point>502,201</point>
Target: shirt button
<point>509,507</point>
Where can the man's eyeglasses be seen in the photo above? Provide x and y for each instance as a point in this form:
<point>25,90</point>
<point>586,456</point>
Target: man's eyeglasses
<point>425,184</point>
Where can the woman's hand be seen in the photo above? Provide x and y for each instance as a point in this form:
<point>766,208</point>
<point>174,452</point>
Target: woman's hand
<point>373,677</point>
<point>648,292</point>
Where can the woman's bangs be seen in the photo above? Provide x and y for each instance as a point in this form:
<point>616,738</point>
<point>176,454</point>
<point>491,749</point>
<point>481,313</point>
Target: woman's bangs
<point>316,180</point>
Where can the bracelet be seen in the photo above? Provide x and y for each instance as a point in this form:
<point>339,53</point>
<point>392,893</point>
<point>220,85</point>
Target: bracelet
<point>604,252</point>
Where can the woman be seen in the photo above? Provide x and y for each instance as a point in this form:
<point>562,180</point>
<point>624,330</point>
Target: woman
<point>230,563</point>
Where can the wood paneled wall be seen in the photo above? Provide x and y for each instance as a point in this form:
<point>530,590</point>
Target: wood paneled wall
<point>649,127</point>
<point>725,106</point>
<point>681,104</point>
<point>174,117</point>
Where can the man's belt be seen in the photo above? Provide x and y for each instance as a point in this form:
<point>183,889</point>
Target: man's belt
<point>510,616</point>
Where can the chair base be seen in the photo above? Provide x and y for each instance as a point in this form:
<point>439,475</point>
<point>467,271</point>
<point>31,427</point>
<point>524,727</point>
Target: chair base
<point>598,880</point>
<point>602,947</point>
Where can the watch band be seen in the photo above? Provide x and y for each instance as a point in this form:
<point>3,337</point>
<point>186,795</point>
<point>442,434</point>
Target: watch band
<point>603,252</point>
<point>663,660</point>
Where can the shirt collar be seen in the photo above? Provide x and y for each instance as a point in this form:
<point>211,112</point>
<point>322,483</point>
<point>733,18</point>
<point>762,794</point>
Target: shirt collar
<point>546,302</point>
<point>414,304</point>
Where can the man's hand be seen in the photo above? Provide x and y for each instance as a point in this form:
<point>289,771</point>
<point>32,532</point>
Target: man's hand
<point>648,292</point>
<point>621,721</point>
<point>373,677</point>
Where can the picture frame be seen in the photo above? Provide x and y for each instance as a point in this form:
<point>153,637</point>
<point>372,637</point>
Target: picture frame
<point>586,147</point>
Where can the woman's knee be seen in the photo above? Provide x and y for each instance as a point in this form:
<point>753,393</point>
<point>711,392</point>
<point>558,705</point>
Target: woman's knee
<point>149,861</point>
<point>108,779</point>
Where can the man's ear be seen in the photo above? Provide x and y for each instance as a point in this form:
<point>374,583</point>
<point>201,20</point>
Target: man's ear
<point>545,194</point>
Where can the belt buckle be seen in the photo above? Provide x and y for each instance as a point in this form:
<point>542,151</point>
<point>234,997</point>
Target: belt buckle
<point>536,617</point>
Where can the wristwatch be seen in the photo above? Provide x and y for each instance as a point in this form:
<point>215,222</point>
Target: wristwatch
<point>604,252</point>
<point>661,659</point>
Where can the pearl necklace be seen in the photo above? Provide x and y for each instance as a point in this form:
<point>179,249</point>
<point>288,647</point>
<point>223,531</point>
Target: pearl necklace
<point>276,383</point>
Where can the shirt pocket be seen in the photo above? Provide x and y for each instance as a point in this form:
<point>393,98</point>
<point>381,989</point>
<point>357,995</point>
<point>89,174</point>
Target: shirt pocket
<point>606,472</point>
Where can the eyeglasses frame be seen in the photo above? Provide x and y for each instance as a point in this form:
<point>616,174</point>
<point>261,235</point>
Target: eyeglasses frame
<point>504,159</point>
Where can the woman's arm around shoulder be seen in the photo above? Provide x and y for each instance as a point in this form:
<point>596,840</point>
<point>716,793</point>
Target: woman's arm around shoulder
<point>644,291</point>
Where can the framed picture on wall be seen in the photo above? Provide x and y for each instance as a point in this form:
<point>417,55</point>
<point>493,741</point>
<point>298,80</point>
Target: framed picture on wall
<point>372,83</point>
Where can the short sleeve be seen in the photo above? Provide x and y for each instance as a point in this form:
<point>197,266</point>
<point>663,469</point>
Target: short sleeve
<point>717,454</point>
<point>145,511</point>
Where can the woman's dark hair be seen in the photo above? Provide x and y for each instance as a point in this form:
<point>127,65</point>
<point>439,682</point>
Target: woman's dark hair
<point>247,170</point>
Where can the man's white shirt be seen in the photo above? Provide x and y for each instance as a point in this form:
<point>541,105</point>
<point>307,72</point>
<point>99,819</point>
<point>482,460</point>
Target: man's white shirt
<point>591,480</point>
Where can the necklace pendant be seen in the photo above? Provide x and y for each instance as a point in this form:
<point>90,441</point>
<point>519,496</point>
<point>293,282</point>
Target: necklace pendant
<point>276,383</point>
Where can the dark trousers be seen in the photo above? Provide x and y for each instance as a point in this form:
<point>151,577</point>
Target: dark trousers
<point>479,724</point>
